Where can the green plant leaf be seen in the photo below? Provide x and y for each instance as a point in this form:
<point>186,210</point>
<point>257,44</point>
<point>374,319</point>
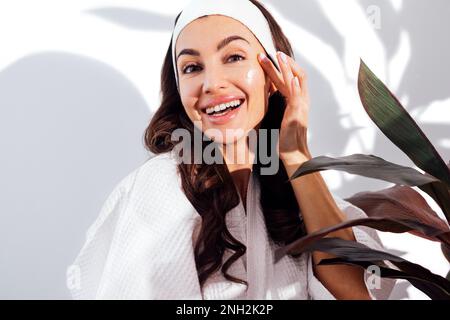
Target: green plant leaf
<point>398,126</point>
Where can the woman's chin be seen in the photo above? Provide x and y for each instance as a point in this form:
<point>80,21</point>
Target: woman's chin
<point>225,136</point>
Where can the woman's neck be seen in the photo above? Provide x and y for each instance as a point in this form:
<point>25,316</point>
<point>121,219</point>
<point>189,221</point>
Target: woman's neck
<point>239,160</point>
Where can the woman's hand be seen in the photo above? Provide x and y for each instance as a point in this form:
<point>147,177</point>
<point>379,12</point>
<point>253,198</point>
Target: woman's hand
<point>291,82</point>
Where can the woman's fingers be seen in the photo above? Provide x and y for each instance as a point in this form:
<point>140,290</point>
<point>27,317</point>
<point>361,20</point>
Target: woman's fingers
<point>285,70</point>
<point>301,74</point>
<point>273,73</point>
<point>284,80</point>
<point>295,87</point>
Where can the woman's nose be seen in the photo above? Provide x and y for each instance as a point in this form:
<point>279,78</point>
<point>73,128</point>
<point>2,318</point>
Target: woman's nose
<point>214,79</point>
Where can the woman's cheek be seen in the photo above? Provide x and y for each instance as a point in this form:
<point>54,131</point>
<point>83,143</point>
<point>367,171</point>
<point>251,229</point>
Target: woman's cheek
<point>254,80</point>
<point>190,110</point>
<point>250,76</point>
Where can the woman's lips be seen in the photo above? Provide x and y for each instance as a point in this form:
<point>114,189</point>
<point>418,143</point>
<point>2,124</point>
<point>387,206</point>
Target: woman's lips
<point>228,116</point>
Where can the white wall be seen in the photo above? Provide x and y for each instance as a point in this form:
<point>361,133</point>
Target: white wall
<point>79,81</point>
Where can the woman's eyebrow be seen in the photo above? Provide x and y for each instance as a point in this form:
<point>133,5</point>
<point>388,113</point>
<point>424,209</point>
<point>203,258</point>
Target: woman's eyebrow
<point>220,45</point>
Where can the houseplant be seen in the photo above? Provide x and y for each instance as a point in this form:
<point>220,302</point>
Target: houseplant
<point>396,209</point>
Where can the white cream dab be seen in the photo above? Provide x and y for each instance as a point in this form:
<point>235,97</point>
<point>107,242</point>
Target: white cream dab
<point>251,74</point>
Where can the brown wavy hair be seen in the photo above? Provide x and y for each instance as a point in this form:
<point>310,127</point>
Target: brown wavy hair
<point>210,187</point>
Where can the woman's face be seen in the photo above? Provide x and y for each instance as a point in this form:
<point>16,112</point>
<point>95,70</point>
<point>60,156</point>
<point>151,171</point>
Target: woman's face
<point>209,76</point>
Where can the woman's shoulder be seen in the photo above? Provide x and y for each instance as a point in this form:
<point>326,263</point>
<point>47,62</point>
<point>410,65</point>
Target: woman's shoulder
<point>135,224</point>
<point>162,160</point>
<point>149,182</point>
<point>160,169</point>
<point>152,187</point>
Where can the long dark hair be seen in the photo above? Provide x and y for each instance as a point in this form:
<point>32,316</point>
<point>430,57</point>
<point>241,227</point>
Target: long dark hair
<point>210,188</point>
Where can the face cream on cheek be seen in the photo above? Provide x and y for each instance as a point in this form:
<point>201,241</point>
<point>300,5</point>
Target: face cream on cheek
<point>250,76</point>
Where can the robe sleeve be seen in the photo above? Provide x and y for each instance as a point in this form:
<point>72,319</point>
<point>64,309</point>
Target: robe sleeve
<point>140,245</point>
<point>85,274</point>
<point>363,235</point>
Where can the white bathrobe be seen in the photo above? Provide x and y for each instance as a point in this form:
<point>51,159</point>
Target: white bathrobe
<point>141,247</point>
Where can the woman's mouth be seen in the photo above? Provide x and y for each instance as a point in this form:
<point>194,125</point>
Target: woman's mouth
<point>224,115</point>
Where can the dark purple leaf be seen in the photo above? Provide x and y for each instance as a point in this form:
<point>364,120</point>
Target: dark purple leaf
<point>367,166</point>
<point>399,202</point>
<point>355,251</point>
<point>432,290</point>
<point>379,223</point>
<point>398,126</point>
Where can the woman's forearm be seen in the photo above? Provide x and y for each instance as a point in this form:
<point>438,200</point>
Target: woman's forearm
<point>319,210</point>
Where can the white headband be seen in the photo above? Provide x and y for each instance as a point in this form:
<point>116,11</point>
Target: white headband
<point>242,10</point>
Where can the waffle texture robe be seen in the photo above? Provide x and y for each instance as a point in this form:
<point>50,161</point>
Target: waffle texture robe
<point>141,246</point>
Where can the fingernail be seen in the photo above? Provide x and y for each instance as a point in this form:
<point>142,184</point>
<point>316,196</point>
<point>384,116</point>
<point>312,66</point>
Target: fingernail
<point>297,83</point>
<point>283,56</point>
<point>262,57</point>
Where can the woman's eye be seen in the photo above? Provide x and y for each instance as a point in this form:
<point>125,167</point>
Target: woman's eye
<point>236,55</point>
<point>185,70</point>
<point>187,67</point>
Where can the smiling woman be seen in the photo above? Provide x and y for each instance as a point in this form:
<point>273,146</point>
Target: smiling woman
<point>196,230</point>
<point>222,70</point>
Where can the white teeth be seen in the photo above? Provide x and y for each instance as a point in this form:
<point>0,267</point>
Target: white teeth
<point>222,106</point>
